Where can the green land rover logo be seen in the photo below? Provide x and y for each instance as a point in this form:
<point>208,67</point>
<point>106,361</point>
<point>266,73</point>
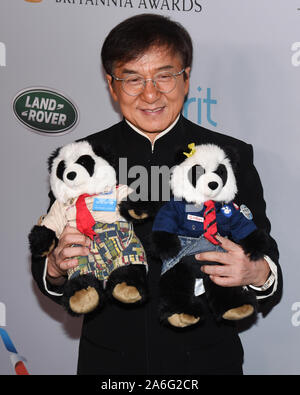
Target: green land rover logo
<point>45,111</point>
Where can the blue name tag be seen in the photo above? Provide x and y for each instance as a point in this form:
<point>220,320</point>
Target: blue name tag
<point>101,204</point>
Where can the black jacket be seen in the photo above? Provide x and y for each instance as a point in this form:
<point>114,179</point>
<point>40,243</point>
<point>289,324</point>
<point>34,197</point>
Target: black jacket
<point>123,340</point>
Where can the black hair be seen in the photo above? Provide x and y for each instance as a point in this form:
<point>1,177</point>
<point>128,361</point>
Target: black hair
<point>132,37</point>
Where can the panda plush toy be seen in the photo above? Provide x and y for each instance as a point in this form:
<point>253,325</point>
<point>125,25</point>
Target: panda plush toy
<point>203,187</point>
<point>87,197</point>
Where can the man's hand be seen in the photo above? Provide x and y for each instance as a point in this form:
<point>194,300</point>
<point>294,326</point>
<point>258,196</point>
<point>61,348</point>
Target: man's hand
<point>63,256</point>
<point>236,268</point>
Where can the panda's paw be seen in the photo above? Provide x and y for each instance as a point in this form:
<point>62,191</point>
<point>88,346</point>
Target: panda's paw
<point>126,293</point>
<point>239,313</point>
<point>182,320</point>
<point>84,301</point>
<point>136,215</point>
<point>42,240</point>
<point>138,211</point>
<point>165,245</point>
<point>256,244</point>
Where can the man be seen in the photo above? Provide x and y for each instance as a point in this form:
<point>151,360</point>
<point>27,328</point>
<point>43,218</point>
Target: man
<point>131,341</point>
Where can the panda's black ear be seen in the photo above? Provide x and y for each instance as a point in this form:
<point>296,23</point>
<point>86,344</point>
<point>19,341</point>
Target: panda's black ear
<point>233,155</point>
<point>104,152</point>
<point>52,157</point>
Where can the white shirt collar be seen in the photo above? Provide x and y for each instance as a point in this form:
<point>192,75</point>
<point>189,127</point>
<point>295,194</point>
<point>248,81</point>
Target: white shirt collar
<point>159,135</point>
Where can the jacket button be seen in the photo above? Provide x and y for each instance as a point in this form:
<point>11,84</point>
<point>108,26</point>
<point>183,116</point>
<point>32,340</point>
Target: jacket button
<point>194,227</point>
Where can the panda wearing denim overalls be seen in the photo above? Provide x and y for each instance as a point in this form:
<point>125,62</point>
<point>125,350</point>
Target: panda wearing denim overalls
<point>202,183</point>
<point>87,197</point>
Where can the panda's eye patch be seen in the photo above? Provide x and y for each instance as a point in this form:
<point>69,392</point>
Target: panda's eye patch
<point>222,172</point>
<point>87,162</point>
<point>195,173</point>
<point>60,169</point>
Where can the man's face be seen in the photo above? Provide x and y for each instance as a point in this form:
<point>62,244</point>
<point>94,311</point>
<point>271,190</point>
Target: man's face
<point>151,111</point>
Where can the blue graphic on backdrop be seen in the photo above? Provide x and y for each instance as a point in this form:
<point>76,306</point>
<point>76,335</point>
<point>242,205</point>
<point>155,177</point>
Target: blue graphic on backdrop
<point>17,361</point>
<point>199,109</point>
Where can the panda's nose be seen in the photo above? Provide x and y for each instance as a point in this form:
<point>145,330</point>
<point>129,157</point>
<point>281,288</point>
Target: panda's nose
<point>213,185</point>
<point>71,175</point>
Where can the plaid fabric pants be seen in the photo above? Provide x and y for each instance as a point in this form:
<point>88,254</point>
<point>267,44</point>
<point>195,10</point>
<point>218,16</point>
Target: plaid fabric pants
<point>113,246</point>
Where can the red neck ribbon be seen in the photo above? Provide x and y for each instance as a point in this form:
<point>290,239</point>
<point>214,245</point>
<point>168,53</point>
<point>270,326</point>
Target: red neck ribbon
<point>84,219</point>
<point>210,222</point>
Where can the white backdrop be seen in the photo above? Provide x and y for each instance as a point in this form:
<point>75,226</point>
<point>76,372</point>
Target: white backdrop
<point>245,82</point>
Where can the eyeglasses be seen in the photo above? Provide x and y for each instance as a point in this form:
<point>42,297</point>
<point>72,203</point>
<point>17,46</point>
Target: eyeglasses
<point>163,81</point>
